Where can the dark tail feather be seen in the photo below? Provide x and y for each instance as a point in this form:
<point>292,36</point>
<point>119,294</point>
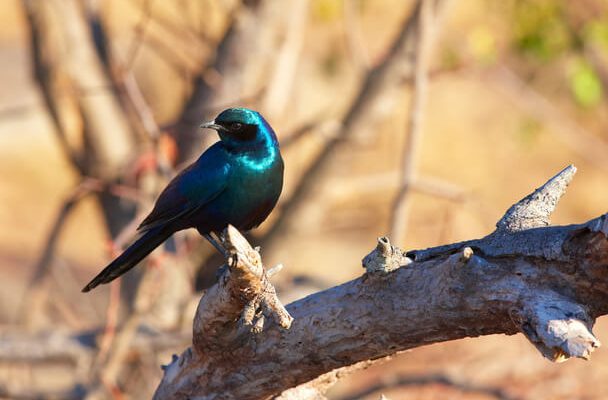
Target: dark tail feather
<point>130,257</point>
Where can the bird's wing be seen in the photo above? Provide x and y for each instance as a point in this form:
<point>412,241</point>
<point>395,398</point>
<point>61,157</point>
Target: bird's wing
<point>190,190</point>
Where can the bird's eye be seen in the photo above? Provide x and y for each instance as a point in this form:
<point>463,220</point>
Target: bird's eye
<point>236,126</point>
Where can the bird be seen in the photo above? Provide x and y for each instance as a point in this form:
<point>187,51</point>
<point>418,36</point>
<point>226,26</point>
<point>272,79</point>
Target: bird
<point>236,181</point>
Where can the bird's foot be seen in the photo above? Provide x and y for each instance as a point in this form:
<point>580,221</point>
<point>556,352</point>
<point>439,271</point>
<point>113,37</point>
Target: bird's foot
<point>252,317</point>
<point>218,244</point>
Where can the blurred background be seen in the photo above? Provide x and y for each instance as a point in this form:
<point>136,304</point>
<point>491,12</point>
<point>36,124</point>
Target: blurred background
<point>422,119</point>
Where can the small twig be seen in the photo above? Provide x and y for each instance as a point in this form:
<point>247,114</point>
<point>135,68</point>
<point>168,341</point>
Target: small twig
<point>109,331</point>
<point>145,117</point>
<point>120,349</point>
<point>37,290</point>
<point>64,279</point>
<point>73,321</point>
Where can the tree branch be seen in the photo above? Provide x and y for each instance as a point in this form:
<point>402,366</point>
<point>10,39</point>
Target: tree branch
<point>549,283</point>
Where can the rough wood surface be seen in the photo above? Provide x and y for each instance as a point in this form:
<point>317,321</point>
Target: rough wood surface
<point>549,283</point>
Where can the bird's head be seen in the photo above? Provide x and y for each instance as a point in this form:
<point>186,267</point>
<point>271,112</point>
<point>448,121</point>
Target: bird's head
<point>242,127</point>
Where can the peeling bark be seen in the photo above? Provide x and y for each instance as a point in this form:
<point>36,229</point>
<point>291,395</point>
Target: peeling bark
<point>549,283</point>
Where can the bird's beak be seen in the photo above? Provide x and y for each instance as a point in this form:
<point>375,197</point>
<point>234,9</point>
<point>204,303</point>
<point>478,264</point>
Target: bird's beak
<point>211,125</point>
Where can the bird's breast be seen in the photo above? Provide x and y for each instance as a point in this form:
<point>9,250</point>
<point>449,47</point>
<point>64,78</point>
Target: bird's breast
<point>254,186</point>
<point>260,161</point>
<point>260,174</point>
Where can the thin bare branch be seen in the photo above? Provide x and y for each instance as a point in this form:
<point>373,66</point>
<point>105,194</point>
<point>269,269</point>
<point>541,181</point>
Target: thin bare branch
<point>410,150</point>
<point>354,37</point>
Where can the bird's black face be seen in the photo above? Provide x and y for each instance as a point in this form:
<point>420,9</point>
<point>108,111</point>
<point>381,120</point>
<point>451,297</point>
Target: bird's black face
<point>238,131</point>
<point>238,126</point>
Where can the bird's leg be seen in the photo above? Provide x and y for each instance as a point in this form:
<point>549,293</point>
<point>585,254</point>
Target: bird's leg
<point>218,246</point>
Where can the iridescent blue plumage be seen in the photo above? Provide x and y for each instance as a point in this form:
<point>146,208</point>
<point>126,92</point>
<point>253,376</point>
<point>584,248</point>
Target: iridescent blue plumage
<point>236,181</point>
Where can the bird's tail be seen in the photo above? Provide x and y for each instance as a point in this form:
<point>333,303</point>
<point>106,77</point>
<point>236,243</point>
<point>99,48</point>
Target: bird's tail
<point>130,257</point>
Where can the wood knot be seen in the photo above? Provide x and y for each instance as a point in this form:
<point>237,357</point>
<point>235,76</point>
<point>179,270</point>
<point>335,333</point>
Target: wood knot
<point>384,258</point>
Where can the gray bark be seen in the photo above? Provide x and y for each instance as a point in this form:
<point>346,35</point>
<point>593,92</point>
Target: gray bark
<point>549,283</point>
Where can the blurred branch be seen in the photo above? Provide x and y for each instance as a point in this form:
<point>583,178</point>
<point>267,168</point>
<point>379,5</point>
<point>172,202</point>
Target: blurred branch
<point>584,143</point>
<point>37,290</point>
<point>391,71</point>
<point>316,389</point>
<point>179,31</point>
<point>353,35</point>
<point>75,350</point>
<point>109,331</point>
<point>599,60</point>
<point>281,82</point>
<point>414,128</point>
<point>67,68</point>
<point>74,394</point>
<point>106,372</point>
<point>55,27</point>
<point>247,28</point>
<point>42,65</point>
<point>44,348</point>
<point>396,382</point>
<point>318,126</point>
<point>520,278</point>
<point>383,182</point>
<point>140,31</point>
<point>18,110</point>
<point>182,63</point>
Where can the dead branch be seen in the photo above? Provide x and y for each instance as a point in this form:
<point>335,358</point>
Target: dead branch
<point>547,282</point>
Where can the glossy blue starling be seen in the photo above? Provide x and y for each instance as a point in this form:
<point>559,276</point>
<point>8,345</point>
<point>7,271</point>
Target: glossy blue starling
<point>236,181</point>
